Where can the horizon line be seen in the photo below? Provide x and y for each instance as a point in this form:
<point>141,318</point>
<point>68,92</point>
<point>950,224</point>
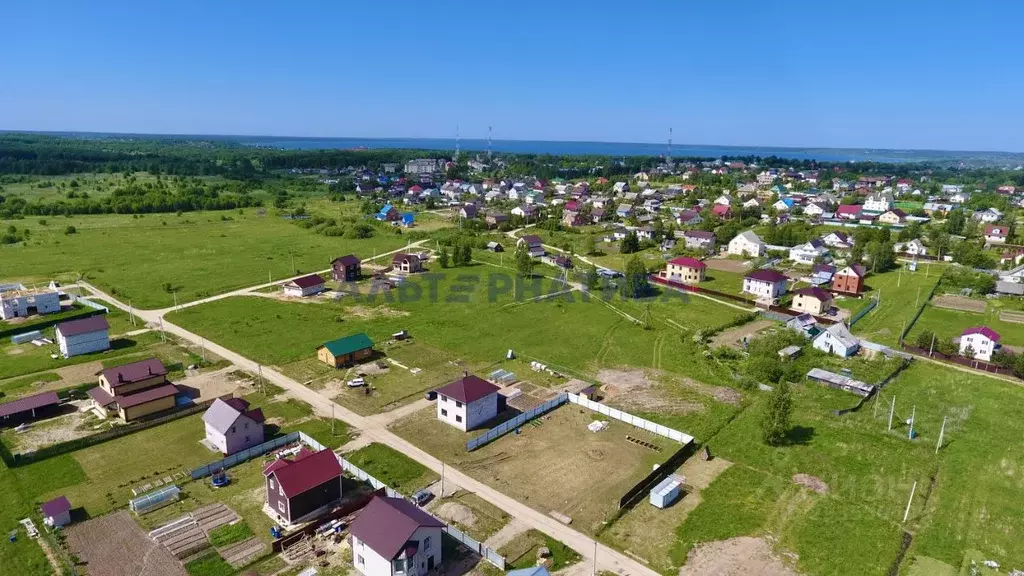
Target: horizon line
<point>674,144</point>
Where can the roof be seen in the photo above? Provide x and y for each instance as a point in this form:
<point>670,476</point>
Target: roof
<point>83,326</point>
<point>222,415</point>
<point>767,275</point>
<point>842,334</point>
<point>984,331</point>
<point>100,396</point>
<point>532,239</point>
<point>720,209</point>
<point>815,292</point>
<point>702,234</point>
<point>28,403</point>
<point>750,236</point>
<point>404,257</point>
<point>387,524</point>
<point>305,471</point>
<point>348,344</point>
<point>134,372</point>
<point>857,269</point>
<point>848,209</point>
<point>468,389</point>
<point>146,396</point>
<point>347,260</point>
<point>688,262</point>
<point>308,281</point>
<point>55,507</point>
<point>996,230</point>
<point>531,571</point>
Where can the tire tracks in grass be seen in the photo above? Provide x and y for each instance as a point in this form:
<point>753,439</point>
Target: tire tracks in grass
<point>606,343</point>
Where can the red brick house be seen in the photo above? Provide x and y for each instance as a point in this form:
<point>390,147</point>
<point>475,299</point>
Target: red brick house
<point>302,487</point>
<point>849,280</point>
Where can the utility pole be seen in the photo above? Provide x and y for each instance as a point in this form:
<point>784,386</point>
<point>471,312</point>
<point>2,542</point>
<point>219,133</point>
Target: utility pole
<point>942,432</point>
<point>910,432</point>
<point>259,370</point>
<point>918,298</point>
<point>175,294</point>
<point>595,557</point>
<point>442,479</point>
<point>332,418</point>
<point>163,335</point>
<point>892,409</point>
<point>202,348</point>
<point>910,501</point>
<point>131,315</point>
<point>932,347</point>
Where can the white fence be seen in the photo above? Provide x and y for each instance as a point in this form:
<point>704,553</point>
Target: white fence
<point>510,425</point>
<point>630,419</point>
<point>466,540</point>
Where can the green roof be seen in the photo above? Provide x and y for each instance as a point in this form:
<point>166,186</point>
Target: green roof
<point>348,344</point>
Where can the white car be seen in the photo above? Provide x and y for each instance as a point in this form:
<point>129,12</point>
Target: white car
<point>356,383</point>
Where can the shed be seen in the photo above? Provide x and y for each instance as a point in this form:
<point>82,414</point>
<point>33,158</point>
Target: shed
<point>83,336</point>
<point>57,512</point>
<point>304,286</point>
<point>789,352</point>
<point>28,407</point>
<point>667,491</point>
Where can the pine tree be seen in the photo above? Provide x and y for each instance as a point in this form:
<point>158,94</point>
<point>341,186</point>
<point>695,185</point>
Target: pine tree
<point>442,257</point>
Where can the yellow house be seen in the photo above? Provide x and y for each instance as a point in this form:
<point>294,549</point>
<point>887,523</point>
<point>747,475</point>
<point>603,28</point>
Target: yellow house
<point>133,391</point>
<point>685,270</point>
<point>892,217</point>
<point>344,351</point>
<point>812,300</point>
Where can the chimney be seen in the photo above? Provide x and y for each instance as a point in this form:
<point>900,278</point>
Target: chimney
<point>465,373</point>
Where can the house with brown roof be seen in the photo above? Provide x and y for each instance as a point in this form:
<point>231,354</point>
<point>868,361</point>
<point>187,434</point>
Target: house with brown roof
<point>996,234</point>
<point>534,245</point>
<point>346,269</point>
<point>406,263</point>
<point>232,426</point>
<point>83,336</point>
<point>812,300</point>
<point>765,284</point>
<point>684,269</point>
<point>393,537</point>
<point>467,402</point>
<point>850,280</point>
<point>303,487</point>
<point>304,286</point>
<point>699,240</point>
<point>133,391</point>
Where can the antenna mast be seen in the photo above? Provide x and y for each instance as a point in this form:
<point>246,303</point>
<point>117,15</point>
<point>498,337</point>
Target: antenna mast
<point>456,143</point>
<point>489,143</point>
<point>668,159</point>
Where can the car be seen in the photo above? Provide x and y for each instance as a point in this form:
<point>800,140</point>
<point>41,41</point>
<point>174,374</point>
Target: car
<point>422,497</point>
<point>356,383</point>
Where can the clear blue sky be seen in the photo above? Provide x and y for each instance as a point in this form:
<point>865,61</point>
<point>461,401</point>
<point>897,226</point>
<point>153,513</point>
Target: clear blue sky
<point>893,73</point>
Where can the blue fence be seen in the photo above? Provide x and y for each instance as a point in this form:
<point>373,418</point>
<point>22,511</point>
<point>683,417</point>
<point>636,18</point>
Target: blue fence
<point>510,425</point>
<point>244,456</point>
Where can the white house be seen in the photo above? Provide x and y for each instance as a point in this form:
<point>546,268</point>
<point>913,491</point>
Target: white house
<point>807,252</point>
<point>836,339</point>
<point>879,202</point>
<point>915,248</point>
<point>534,245</point>
<point>305,286</point>
<point>392,537</point>
<point>988,216</point>
<point>19,303</point>
<point>83,336</point>
<point>724,200</point>
<point>751,203</point>
<point>837,240</point>
<point>765,284</point>
<point>996,234</point>
<point>467,402</point>
<point>979,342</point>
<point>747,244</point>
<point>231,426</point>
<point>813,209</point>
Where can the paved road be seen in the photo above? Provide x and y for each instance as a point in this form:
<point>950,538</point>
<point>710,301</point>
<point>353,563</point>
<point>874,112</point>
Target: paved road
<point>376,429</point>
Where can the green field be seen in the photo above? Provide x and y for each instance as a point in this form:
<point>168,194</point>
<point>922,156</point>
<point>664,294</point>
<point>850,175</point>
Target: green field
<point>946,323</point>
<point>23,359</point>
<point>197,254</point>
<point>392,468</point>
<point>901,293</point>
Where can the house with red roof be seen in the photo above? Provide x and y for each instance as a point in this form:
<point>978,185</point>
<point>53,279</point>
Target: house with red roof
<point>979,342</point>
<point>684,269</point>
<point>848,211</point>
<point>132,391</point>
<point>232,426</point>
<point>304,286</point>
<point>812,300</point>
<point>722,210</point>
<point>996,233</point>
<point>304,486</point>
<point>765,284</point>
<point>467,402</point>
<point>392,537</point>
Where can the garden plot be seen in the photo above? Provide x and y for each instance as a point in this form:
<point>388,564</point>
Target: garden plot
<point>959,303</point>
<point>114,545</point>
<point>541,465</point>
<point>652,391</point>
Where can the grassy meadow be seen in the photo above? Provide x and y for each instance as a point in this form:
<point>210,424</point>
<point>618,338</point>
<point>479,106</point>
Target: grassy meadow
<point>951,323</point>
<point>901,294</point>
<point>197,254</point>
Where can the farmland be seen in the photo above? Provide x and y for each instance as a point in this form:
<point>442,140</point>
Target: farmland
<point>901,293</point>
<point>946,323</point>
<point>145,258</point>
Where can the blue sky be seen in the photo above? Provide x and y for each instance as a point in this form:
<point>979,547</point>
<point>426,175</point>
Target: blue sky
<point>894,74</point>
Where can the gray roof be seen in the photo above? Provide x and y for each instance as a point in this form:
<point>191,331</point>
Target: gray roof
<point>221,415</point>
<point>841,333</point>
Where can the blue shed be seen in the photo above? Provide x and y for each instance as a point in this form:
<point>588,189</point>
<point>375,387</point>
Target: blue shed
<point>407,219</point>
<point>666,492</point>
<point>531,571</point>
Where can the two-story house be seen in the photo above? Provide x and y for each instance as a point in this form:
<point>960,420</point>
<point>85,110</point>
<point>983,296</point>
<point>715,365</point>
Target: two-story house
<point>394,537</point>
<point>765,284</point>
<point>467,402</point>
<point>684,269</point>
<point>231,426</point>
<point>979,342</point>
<point>304,486</point>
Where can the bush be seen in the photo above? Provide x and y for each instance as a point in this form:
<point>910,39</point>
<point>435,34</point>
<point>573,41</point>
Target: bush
<point>70,230</point>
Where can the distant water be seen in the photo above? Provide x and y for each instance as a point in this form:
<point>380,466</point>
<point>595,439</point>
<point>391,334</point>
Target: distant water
<point>613,149</point>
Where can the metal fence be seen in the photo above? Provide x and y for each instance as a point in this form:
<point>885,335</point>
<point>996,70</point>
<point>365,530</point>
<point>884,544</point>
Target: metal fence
<point>630,419</point>
<point>864,310</point>
<point>244,456</point>
<point>487,553</point>
<point>640,490</point>
<point>510,425</point>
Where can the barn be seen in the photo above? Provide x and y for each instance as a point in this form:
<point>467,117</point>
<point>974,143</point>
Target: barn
<point>344,351</point>
<point>83,336</point>
<point>304,286</point>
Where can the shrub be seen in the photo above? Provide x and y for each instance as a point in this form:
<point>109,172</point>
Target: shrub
<point>70,230</point>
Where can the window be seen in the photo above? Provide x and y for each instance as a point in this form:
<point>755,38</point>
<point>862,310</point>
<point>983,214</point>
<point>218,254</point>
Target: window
<point>271,483</point>
<point>458,404</point>
<point>399,566</point>
<point>426,543</point>
<point>246,439</point>
<point>360,561</point>
<point>246,425</point>
<point>280,490</point>
<point>233,429</point>
<point>444,412</point>
<point>458,418</point>
<point>280,506</point>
